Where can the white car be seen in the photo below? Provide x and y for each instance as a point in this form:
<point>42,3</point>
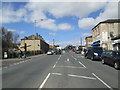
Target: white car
<point>49,53</point>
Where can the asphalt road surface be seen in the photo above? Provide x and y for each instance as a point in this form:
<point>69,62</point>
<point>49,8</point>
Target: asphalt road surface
<point>68,70</point>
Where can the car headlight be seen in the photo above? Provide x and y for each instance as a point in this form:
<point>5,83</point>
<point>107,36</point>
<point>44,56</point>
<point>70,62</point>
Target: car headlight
<point>96,54</point>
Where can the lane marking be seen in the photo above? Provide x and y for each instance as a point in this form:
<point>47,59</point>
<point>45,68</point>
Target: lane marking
<point>70,67</point>
<point>102,81</point>
<point>54,66</point>
<point>82,64</point>
<point>59,57</point>
<point>81,77</point>
<point>43,83</point>
<point>68,60</point>
<point>56,73</point>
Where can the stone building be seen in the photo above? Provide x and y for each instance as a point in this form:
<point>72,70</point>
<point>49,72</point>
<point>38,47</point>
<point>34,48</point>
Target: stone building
<point>34,43</point>
<point>104,33</point>
<point>88,41</point>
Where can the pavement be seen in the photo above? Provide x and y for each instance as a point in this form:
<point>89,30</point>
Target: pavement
<point>66,71</point>
<point>5,63</point>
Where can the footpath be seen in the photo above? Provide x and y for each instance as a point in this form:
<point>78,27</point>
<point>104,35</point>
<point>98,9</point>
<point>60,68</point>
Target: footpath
<point>11,61</point>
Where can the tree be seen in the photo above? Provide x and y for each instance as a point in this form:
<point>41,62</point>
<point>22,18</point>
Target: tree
<point>9,40</point>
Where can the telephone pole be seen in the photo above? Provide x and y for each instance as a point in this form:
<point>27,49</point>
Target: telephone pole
<point>81,41</point>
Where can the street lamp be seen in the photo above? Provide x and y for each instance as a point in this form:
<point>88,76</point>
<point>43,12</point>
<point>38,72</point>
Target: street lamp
<point>35,21</point>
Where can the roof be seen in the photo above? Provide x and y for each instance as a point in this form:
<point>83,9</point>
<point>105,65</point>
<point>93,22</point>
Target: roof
<point>88,37</point>
<point>108,21</point>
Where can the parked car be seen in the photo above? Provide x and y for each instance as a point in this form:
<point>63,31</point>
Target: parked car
<point>50,52</point>
<point>94,53</point>
<point>111,58</point>
<point>77,51</point>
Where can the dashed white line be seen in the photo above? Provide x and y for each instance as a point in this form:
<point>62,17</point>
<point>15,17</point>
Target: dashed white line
<point>43,83</point>
<point>82,64</point>
<point>81,76</point>
<point>102,81</point>
<point>56,73</point>
<point>54,66</point>
<point>68,60</point>
<point>70,67</point>
<point>59,57</point>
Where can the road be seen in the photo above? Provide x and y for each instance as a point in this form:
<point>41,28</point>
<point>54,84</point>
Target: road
<point>68,70</point>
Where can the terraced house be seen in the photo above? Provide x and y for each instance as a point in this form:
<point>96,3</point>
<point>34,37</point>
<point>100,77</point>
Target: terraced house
<point>106,34</point>
<point>34,43</point>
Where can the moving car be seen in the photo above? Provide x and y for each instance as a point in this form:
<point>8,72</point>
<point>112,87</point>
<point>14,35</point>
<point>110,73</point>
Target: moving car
<point>111,58</point>
<point>50,52</point>
<point>94,53</point>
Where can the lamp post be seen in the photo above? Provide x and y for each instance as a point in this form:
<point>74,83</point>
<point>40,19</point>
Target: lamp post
<point>35,21</point>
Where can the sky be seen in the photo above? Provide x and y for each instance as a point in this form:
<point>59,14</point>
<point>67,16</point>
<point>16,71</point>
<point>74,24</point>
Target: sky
<point>65,22</point>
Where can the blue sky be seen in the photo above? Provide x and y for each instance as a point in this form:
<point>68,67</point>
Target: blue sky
<point>64,22</point>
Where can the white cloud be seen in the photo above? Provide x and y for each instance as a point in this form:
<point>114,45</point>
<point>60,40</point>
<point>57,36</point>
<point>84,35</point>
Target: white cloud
<point>36,11</point>
<point>52,34</point>
<point>50,24</point>
<point>110,12</point>
<point>10,15</point>
<point>11,30</point>
<point>22,32</point>
<point>86,34</point>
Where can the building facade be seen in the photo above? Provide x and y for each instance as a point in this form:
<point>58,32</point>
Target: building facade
<point>88,41</point>
<point>34,43</point>
<point>104,32</point>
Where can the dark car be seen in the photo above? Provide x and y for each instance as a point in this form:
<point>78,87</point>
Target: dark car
<point>77,51</point>
<point>111,58</point>
<point>94,53</point>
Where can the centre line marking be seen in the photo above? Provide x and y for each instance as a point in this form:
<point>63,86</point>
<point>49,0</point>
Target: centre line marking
<point>82,64</point>
<point>59,57</point>
<point>68,59</point>
<point>81,76</point>
<point>70,67</point>
<point>57,73</point>
<point>41,86</point>
<point>54,66</point>
<point>102,81</point>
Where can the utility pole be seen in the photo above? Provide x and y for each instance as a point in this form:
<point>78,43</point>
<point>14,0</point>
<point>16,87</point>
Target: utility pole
<point>81,41</point>
<point>34,36</point>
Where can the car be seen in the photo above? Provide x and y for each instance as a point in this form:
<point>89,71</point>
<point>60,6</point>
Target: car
<point>50,52</point>
<point>77,51</point>
<point>112,58</point>
<point>94,53</point>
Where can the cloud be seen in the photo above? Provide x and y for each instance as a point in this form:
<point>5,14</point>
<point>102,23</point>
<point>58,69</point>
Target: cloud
<point>10,15</point>
<point>35,11</point>
<point>22,32</point>
<point>11,30</point>
<point>50,24</point>
<point>110,12</point>
<point>86,34</point>
<point>52,34</point>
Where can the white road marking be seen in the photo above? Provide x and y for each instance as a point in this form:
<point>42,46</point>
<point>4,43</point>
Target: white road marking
<point>82,64</point>
<point>15,63</point>
<point>18,63</point>
<point>68,60</point>
<point>102,81</point>
<point>57,73</point>
<point>81,76</point>
<point>59,57</point>
<point>70,67</point>
<point>54,66</point>
<point>43,83</point>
